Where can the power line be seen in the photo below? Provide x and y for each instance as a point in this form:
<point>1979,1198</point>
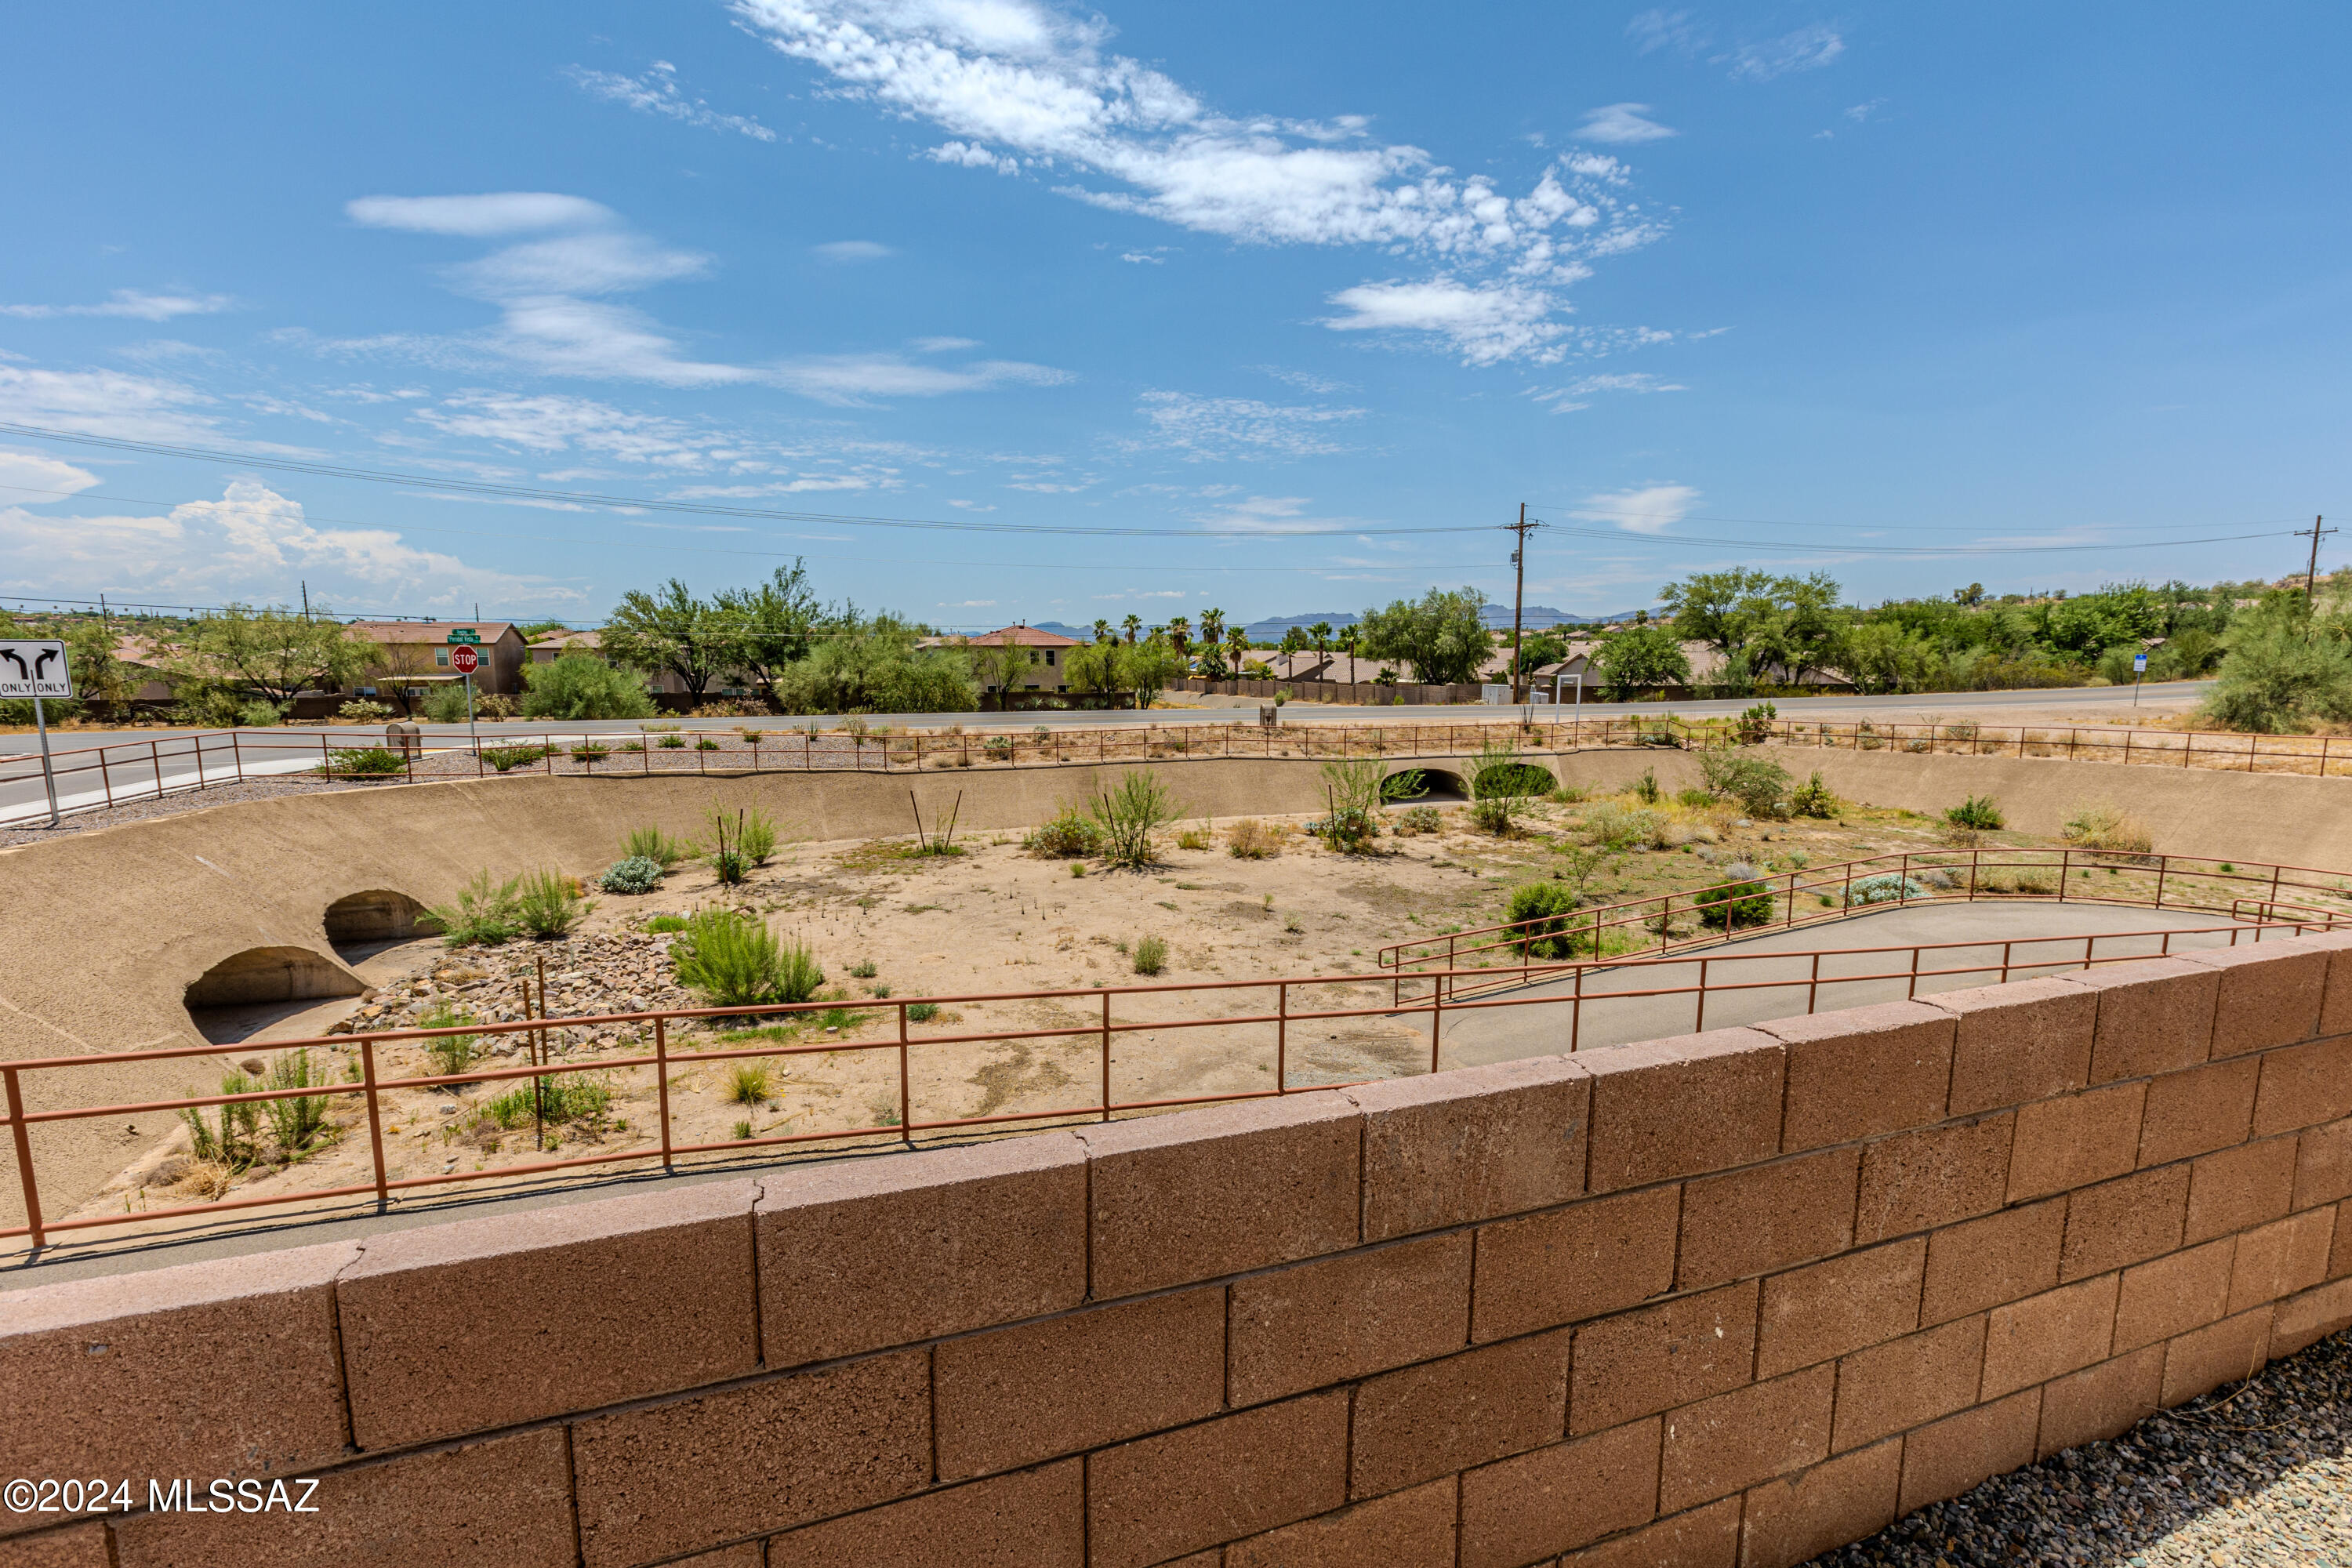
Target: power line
<point>1621,537</point>
<point>1589,510</point>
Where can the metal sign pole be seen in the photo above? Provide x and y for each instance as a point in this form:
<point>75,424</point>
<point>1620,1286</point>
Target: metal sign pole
<point>48,772</point>
<point>470,735</point>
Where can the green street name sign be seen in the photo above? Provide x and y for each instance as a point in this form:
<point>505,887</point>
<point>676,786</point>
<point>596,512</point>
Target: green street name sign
<point>464,634</point>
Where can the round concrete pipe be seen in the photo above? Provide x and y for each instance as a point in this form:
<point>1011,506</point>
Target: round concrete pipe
<point>263,974</point>
<point>1437,784</point>
<point>380,914</point>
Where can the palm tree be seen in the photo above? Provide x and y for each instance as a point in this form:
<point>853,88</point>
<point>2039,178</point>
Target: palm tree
<point>1134,623</point>
<point>1102,630</point>
<point>1179,635</point>
<point>1212,628</point>
<point>1322,632</point>
<point>1237,643</point>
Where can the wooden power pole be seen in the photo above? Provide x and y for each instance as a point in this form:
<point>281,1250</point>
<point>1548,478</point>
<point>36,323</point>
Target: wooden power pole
<point>1518,595</point>
<point>2311,573</point>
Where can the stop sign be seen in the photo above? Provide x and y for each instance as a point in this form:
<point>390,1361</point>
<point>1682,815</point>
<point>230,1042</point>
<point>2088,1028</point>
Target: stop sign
<point>464,659</point>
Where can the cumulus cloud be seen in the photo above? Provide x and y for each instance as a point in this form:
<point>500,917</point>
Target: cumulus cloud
<point>34,474</point>
<point>102,403</point>
<point>251,544</point>
<point>489,217</point>
<point>1020,87</point>
<point>658,92</point>
<point>1486,322</point>
<point>136,304</point>
<point>1650,510</point>
<point>1218,428</point>
<point>1621,122</point>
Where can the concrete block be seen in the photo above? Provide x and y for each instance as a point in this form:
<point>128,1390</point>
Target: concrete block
<point>1336,1319</point>
<point>1579,1262</point>
<point>2124,1221</point>
<point>1768,1217</point>
<point>74,1546</point>
<point>2269,995</point>
<point>2335,1009</point>
<point>1032,1519</point>
<point>2024,1041</point>
<point>2197,1109</point>
<point>2281,1258</point>
<point>1798,1518</point>
<point>2102,1401</point>
<point>1655,1358</point>
<point>2304,1086</point>
<point>2323,1165</point>
<point>661,1480</point>
<point>1200,1194</point>
<point>1984,1263</point>
<point>448,1329</point>
<point>1704,1538</point>
<point>1411,1529</point>
<point>2075,1141</point>
<point>863,1254</point>
<point>1933,1176</point>
<point>1891,1387</point>
<point>1683,1106</point>
<point>1012,1396</point>
<point>1451,1148</point>
<point>2308,1319</point>
<point>2173,1295</point>
<point>2204,1359</point>
<point>506,1501</point>
<point>1946,1459</point>
<point>1731,1442</point>
<point>2155,1014</point>
<point>2240,1188</point>
<point>1559,1497</point>
<point>1424,1421</point>
<point>1863,1070</point>
<point>2339,1257</point>
<point>1819,1313</point>
<point>1236,1475</point>
<point>222,1368</point>
<point>2049,1335</point>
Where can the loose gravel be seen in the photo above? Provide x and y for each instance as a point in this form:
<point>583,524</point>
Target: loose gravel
<point>169,805</point>
<point>2255,1475</point>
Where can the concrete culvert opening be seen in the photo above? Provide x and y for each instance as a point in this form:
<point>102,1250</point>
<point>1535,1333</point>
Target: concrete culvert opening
<point>376,917</point>
<point>1416,786</point>
<point>264,974</point>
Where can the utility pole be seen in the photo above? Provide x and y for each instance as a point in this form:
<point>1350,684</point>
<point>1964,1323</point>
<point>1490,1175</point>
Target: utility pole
<point>1519,593</point>
<point>306,598</point>
<point>2311,573</point>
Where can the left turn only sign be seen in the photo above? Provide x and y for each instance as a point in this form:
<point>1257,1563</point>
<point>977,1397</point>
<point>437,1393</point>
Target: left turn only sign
<point>33,669</point>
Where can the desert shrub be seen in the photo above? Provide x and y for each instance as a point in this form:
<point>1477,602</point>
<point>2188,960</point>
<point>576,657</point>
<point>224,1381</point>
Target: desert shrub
<point>1740,900</point>
<point>549,904</point>
<point>1498,784</point>
<point>1353,790</point>
<point>1812,798</point>
<point>484,913</point>
<point>557,1097</point>
<point>1127,817</point>
<point>299,1121</point>
<point>365,763</point>
<point>1886,888</point>
<point>362,711</point>
<point>747,1083</point>
<point>1697,799</point>
<point>260,715</point>
<point>1408,784</point>
<point>735,960</point>
<point>864,969</point>
<point>582,686</point>
<point>1417,819</point>
<point>1250,839</point>
<point>1977,812</point>
<point>922,1012</point>
<point>2102,825</point>
<point>1193,838</point>
<point>1616,826</point>
<point>637,874</point>
<point>1758,785</point>
<point>1071,833</point>
<point>725,853</point>
<point>1150,954</point>
<point>1542,914</point>
<point>672,742</point>
<point>590,751</point>
<point>1568,794</point>
<point>496,705</point>
<point>1754,725</point>
<point>446,704</point>
<point>506,759</point>
<point>233,1137</point>
<point>450,1053</point>
<point>652,844</point>
<point>1645,788</point>
<point>667,923</point>
<point>752,831</point>
<point>1526,780</point>
<point>2278,675</point>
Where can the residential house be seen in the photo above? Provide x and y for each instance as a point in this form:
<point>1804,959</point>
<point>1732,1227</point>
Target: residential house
<point>552,646</point>
<point>1048,669</point>
<point>413,657</point>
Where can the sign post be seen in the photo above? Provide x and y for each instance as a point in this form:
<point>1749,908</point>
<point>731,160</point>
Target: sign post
<point>465,660</point>
<point>38,670</point>
<point>2139,668</point>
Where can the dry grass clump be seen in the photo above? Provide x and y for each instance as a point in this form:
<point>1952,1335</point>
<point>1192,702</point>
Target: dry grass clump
<point>2102,825</point>
<point>1250,839</point>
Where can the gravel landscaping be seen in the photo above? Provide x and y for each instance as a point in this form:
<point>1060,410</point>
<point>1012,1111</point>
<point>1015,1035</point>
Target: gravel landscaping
<point>2254,1475</point>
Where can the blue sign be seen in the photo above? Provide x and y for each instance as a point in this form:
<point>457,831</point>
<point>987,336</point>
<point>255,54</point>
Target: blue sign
<point>2139,664</point>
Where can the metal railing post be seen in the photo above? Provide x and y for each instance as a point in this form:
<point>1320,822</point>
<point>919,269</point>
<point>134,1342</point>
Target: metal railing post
<point>906,1088</point>
<point>1106,1057</point>
<point>1282,1036</point>
<point>1436,1023</point>
<point>22,1137</point>
<point>375,1123</point>
<point>661,1084</point>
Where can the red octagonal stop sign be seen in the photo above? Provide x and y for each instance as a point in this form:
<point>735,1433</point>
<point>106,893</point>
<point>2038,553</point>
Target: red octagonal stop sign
<point>464,659</point>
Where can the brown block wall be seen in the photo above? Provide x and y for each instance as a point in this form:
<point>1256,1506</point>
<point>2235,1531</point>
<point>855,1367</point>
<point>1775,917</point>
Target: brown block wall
<point>1730,1299</point>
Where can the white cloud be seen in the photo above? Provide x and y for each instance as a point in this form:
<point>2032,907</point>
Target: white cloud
<point>556,424</point>
<point>971,506</point>
<point>1143,256</point>
<point>1654,30</point>
<point>596,263</point>
<point>1585,386</point>
<point>135,303</point>
<point>854,250</point>
<point>480,217</point>
<point>41,479</point>
<point>658,92</point>
<point>102,403</point>
<point>1807,48</point>
<point>1021,87</point>
<point>1321,387</point>
<point>1216,428</point>
<point>1486,322</point>
<point>945,345</point>
<point>1862,111</point>
<point>967,604</point>
<point>1652,510</point>
<point>252,544</point>
<point>1621,122</point>
<point>855,380</point>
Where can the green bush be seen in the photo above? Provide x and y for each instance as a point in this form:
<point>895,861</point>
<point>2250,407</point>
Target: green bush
<point>1542,914</point>
<point>1754,726</point>
<point>1740,900</point>
<point>735,960</point>
<point>750,834</point>
<point>922,1012</point>
<point>299,1121</point>
<point>450,1053</point>
<point>1408,784</point>
<point>233,1138</point>
<point>1812,798</point>
<point>446,704</point>
<point>364,763</point>
<point>557,1097</point>
<point>1978,812</point>
<point>582,686</point>
<point>1886,888</point>
<point>485,913</point>
<point>363,711</point>
<point>506,759</point>
<point>747,1083</point>
<point>652,843</point>
<point>636,874</point>
<point>864,969</point>
<point>1615,827</point>
<point>549,903</point>
<point>667,923</point>
<point>1129,815</point>
<point>1150,954</point>
<point>1645,788</point>
<point>1071,833</point>
<point>1354,790</point>
<point>1522,779</point>
<point>1759,786</point>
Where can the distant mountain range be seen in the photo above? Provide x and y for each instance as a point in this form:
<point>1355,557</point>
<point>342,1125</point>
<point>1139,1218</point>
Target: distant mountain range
<point>1535,617</point>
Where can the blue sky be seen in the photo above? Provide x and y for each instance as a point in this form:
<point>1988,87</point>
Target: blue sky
<point>1282,291</point>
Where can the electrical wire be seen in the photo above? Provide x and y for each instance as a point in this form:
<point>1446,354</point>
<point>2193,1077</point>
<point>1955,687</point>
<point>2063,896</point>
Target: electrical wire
<point>1700,540</point>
